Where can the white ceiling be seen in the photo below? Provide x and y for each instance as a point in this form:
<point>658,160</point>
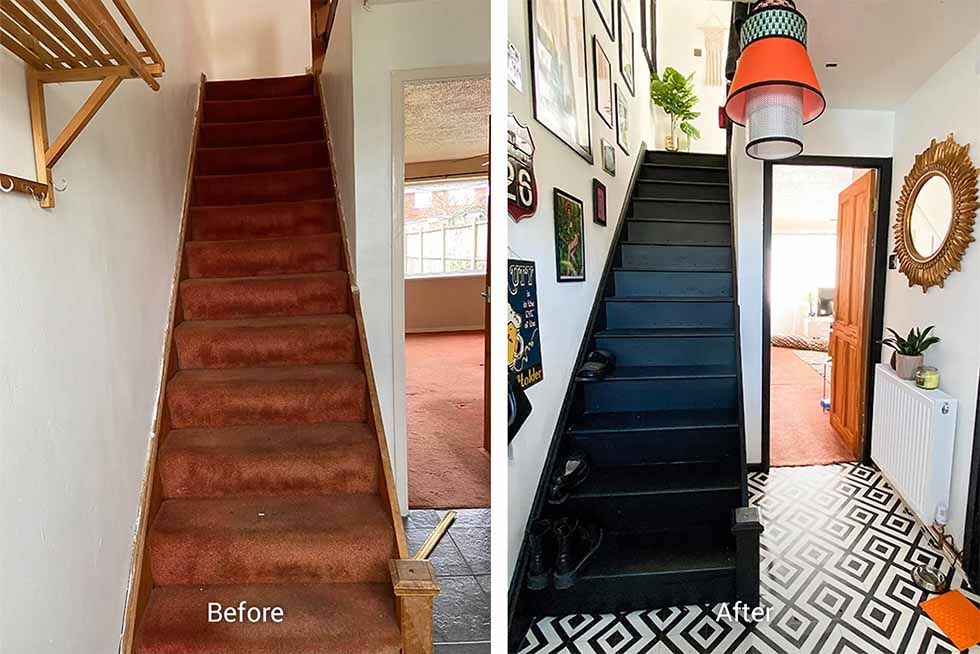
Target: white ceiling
<point>804,198</point>
<point>446,119</point>
<point>886,48</point>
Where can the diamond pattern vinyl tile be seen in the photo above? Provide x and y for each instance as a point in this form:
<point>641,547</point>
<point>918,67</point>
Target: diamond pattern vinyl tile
<point>836,558</point>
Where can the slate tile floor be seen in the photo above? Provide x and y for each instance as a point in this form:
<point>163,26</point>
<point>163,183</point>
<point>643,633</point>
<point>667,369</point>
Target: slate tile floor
<point>836,558</point>
<point>462,563</point>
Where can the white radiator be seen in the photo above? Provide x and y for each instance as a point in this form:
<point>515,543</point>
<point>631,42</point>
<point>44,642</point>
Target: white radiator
<point>912,441</point>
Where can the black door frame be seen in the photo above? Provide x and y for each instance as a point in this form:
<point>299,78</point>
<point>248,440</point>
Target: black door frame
<point>876,317</point>
<point>971,541</point>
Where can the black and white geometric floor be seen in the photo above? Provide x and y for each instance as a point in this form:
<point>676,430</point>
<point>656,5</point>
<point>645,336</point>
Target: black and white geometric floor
<point>837,552</point>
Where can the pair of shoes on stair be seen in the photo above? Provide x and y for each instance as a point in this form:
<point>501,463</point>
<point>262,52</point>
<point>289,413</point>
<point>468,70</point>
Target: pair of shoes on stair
<point>598,365</point>
<point>558,550</point>
<point>570,472</point>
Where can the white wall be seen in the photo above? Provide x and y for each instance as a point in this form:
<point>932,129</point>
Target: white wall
<point>258,38</point>
<point>444,304</point>
<point>839,132</point>
<point>948,102</point>
<point>86,289</point>
<point>564,308</point>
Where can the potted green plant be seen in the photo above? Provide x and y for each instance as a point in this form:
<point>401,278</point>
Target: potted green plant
<point>908,351</point>
<point>674,93</point>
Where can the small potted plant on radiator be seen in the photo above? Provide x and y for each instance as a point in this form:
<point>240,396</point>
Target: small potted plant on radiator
<point>908,351</point>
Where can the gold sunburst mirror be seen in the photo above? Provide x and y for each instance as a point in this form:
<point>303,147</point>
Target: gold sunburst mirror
<point>936,212</point>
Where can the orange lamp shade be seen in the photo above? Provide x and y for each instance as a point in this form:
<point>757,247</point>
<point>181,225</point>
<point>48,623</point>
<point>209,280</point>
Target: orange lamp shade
<point>775,90</point>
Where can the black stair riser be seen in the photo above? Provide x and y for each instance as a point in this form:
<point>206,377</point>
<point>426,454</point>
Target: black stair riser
<point>678,191</point>
<point>634,592</point>
<point>670,233</point>
<point>685,159</point>
<point>644,315</point>
<point>659,394</point>
<point>638,448</point>
<point>688,211</point>
<point>670,173</point>
<point>680,258</point>
<point>650,512</point>
<point>636,283</point>
<point>679,351</point>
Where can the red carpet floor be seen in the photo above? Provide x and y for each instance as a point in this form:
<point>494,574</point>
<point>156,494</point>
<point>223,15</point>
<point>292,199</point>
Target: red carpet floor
<point>447,465</point>
<point>270,471</point>
<point>800,431</point>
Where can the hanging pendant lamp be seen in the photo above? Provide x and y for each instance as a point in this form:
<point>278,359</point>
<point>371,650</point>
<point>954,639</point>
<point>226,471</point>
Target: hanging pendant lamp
<point>775,91</point>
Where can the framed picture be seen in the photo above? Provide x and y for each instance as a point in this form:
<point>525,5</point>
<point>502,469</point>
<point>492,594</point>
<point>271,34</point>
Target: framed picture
<point>626,48</point>
<point>559,71</point>
<point>602,71</point>
<point>569,237</point>
<point>598,202</point>
<point>648,32</point>
<point>608,156</point>
<point>622,121</point>
<point>607,13</point>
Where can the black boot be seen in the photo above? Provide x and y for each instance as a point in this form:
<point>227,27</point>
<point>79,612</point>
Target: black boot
<point>539,568</point>
<point>571,471</point>
<point>576,543</point>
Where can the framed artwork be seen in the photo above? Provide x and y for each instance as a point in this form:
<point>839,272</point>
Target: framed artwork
<point>602,71</point>
<point>607,13</point>
<point>569,237</point>
<point>648,32</point>
<point>626,48</point>
<point>598,202</point>
<point>559,71</point>
<point>622,121</point>
<point>608,156</point>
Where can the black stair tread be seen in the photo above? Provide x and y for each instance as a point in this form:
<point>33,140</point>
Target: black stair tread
<point>670,552</point>
<point>681,182</point>
<point>660,479</point>
<point>686,221</point>
<point>673,332</point>
<point>682,245</point>
<point>636,373</point>
<point>679,269</point>
<point>683,165</point>
<point>655,420</point>
<point>670,298</point>
<point>636,198</point>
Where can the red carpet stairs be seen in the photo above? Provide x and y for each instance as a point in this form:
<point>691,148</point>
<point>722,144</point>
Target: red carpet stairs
<point>271,469</point>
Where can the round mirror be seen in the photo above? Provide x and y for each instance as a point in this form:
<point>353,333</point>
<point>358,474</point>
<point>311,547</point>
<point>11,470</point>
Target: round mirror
<point>931,216</point>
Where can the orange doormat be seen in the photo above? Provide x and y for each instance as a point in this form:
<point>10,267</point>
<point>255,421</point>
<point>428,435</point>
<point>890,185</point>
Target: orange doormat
<point>957,617</point>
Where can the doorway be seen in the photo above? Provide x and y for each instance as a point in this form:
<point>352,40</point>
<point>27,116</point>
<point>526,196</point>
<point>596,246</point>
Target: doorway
<point>443,239</point>
<point>824,275</point>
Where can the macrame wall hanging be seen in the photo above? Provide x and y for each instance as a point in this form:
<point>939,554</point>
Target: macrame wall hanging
<point>715,34</point>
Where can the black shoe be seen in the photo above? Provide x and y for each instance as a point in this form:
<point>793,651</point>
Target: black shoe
<point>576,543</point>
<point>572,471</point>
<point>538,568</point>
<point>598,365</point>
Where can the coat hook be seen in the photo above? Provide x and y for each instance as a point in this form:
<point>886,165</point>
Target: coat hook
<point>4,188</point>
<point>62,187</point>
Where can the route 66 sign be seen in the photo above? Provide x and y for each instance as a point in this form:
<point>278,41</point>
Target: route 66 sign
<point>522,187</point>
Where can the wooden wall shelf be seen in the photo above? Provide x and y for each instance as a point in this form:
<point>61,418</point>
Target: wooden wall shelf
<point>73,41</point>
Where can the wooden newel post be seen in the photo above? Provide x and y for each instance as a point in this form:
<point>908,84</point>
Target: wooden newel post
<point>415,585</point>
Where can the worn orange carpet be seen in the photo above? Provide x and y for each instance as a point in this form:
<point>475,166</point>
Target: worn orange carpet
<point>799,432</point>
<point>447,465</point>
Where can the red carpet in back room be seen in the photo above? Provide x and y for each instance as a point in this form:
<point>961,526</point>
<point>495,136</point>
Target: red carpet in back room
<point>270,469</point>
<point>800,431</point>
<point>447,465</point>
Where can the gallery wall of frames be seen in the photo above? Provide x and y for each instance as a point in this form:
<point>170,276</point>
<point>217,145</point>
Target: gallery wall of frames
<point>578,85</point>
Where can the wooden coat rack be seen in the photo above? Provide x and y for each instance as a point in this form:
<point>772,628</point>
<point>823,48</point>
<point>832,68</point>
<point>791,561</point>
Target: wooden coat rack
<point>71,41</point>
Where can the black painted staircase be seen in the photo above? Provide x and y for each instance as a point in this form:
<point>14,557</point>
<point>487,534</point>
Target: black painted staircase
<point>665,430</point>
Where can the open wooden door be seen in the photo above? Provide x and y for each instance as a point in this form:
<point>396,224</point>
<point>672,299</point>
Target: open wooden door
<point>849,337</point>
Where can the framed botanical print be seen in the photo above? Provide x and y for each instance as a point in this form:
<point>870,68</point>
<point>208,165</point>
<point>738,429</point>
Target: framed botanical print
<point>607,13</point>
<point>648,32</point>
<point>626,48</point>
<point>602,71</point>
<point>598,202</point>
<point>622,121</point>
<point>559,71</point>
<point>569,237</point>
<point>608,153</point>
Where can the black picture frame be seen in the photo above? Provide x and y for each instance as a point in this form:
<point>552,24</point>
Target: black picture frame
<point>566,247</point>
<point>622,121</point>
<point>599,213</point>
<point>607,15</point>
<point>584,150</point>
<point>627,49</point>
<point>607,154</point>
<point>597,50</point>
<point>648,32</point>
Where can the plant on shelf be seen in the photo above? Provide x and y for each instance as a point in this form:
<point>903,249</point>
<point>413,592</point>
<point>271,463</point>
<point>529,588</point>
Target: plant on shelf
<point>674,93</point>
<point>909,350</point>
